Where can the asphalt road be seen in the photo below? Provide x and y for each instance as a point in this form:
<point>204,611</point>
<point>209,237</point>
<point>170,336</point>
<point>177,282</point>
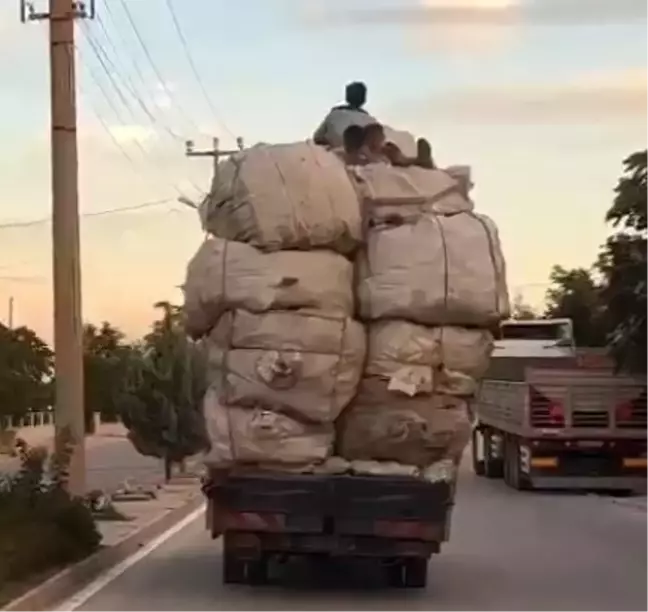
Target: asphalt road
<point>109,463</point>
<point>508,551</point>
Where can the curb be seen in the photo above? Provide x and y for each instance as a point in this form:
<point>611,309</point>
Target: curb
<point>70,580</point>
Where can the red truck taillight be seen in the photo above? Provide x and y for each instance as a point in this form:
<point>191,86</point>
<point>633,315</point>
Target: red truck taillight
<point>623,411</point>
<point>544,411</point>
<point>631,414</point>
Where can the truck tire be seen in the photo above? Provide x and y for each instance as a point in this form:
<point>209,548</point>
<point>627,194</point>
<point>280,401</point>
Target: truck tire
<point>257,571</point>
<point>238,571</point>
<point>478,464</point>
<point>415,570</point>
<point>234,570</point>
<point>493,467</point>
<point>409,572</point>
<point>513,476</point>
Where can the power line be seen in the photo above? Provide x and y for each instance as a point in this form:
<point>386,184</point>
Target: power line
<point>110,70</point>
<point>194,69</point>
<point>120,119</point>
<point>131,56</point>
<point>127,82</point>
<point>154,67</point>
<point>99,213</point>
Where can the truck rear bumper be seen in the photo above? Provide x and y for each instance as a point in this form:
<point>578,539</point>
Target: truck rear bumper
<point>327,514</point>
<point>252,545</point>
<point>612,483</point>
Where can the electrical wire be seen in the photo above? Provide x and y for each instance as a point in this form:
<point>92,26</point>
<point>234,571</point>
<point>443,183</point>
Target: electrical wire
<point>154,67</point>
<point>127,82</point>
<point>124,45</point>
<point>99,213</point>
<point>194,69</point>
<point>110,70</point>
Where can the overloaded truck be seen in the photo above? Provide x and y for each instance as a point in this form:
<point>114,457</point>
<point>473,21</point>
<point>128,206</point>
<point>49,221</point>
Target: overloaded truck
<point>550,416</point>
<point>346,314</point>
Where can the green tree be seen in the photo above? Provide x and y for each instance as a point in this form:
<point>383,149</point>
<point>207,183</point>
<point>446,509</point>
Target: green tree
<point>162,408</point>
<point>575,295</point>
<point>105,363</point>
<point>26,368</point>
<point>622,263</point>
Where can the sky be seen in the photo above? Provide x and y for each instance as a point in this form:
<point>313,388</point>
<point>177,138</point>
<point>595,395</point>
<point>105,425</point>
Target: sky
<point>542,98</point>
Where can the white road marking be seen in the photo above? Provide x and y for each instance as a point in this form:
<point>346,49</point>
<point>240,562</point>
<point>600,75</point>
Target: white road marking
<point>102,581</point>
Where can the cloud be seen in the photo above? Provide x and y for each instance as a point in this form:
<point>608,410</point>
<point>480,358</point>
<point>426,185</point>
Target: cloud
<point>492,13</point>
<point>461,38</point>
<point>608,97</point>
<point>125,134</point>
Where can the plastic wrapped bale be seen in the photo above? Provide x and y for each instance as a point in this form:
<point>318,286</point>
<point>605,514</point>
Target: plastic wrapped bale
<point>406,193</point>
<point>387,426</point>
<point>436,270</point>
<point>306,364</point>
<point>290,196</point>
<point>415,359</point>
<point>253,436</point>
<point>225,275</point>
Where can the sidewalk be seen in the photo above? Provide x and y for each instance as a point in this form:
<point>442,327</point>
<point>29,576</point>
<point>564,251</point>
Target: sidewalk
<point>43,435</point>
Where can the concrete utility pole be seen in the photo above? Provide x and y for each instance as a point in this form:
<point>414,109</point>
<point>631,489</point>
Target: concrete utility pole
<point>68,326</point>
<point>214,152</point>
<point>10,313</point>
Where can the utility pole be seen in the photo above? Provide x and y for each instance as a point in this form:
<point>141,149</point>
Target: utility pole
<point>68,327</point>
<point>10,313</point>
<point>215,152</point>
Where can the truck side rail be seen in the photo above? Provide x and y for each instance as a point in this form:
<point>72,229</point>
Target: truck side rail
<point>565,403</point>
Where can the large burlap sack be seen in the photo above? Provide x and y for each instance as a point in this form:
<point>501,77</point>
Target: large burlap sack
<point>436,270</point>
<point>419,431</point>
<point>225,275</point>
<point>307,365</point>
<point>414,359</point>
<point>243,436</point>
<point>390,192</point>
<point>290,196</point>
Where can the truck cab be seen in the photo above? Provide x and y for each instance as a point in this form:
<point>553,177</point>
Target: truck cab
<point>535,338</point>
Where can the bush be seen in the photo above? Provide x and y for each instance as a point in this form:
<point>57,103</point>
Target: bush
<point>41,525</point>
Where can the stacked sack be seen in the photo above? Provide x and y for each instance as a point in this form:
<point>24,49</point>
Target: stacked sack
<point>271,294</point>
<point>430,282</point>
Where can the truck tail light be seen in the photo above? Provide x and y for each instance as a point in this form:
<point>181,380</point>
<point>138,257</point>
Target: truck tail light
<point>557,413</point>
<point>545,412</point>
<point>623,412</point>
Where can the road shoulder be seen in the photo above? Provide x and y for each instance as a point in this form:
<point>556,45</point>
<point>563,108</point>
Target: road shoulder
<point>121,539</point>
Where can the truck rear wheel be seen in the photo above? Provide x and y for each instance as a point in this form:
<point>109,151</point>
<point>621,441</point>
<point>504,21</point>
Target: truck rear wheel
<point>478,464</point>
<point>410,572</point>
<point>415,573</point>
<point>493,466</point>
<point>513,476</point>
<point>234,570</point>
<point>239,571</point>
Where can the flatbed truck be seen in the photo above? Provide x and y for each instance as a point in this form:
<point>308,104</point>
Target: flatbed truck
<point>397,521</point>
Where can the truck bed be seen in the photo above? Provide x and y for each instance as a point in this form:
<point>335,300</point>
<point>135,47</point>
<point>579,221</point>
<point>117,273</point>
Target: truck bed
<point>589,400</point>
<point>337,515</point>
